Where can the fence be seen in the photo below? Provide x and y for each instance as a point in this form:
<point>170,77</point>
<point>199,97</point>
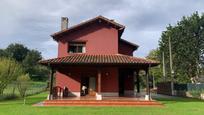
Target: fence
<point>164,88</point>
<point>180,89</point>
<point>11,90</point>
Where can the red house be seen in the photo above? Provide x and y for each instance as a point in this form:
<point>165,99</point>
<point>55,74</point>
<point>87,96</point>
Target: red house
<point>94,60</point>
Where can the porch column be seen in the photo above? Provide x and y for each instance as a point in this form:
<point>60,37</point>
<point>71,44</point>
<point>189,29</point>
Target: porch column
<point>99,81</point>
<point>51,84</point>
<point>138,82</point>
<point>147,96</point>
<point>134,82</point>
<point>98,95</point>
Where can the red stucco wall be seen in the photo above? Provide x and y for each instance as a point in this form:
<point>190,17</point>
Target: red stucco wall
<point>71,78</point>
<point>72,82</point>
<point>125,49</point>
<point>128,82</point>
<point>110,82</point>
<point>99,38</point>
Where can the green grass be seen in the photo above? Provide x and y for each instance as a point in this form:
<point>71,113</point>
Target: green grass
<point>178,106</point>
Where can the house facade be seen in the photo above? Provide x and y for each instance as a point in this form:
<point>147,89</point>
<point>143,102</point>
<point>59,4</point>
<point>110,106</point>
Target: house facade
<point>94,60</point>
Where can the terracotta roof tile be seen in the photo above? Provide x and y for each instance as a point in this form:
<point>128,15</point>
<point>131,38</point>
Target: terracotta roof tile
<point>118,59</point>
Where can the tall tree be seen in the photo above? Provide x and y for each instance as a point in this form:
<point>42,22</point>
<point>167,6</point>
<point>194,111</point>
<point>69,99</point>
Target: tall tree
<point>2,53</point>
<point>156,72</point>
<point>31,60</point>
<point>30,63</point>
<point>187,41</point>
<point>17,51</point>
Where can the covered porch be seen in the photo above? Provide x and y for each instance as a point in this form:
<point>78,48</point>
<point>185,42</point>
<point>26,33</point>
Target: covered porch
<point>105,77</point>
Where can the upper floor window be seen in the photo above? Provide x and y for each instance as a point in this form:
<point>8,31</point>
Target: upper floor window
<point>77,48</point>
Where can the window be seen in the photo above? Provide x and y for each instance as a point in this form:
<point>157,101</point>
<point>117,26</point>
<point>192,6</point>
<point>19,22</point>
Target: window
<point>77,48</point>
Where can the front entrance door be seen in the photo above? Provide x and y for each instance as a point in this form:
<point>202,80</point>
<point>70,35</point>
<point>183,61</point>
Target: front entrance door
<point>88,86</point>
<point>92,86</point>
<point>121,85</point>
<point>84,86</point>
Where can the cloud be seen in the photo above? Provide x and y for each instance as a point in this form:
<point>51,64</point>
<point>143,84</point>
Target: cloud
<point>31,22</point>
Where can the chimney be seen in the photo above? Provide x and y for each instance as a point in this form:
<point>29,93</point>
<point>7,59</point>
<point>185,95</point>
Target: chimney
<point>64,23</point>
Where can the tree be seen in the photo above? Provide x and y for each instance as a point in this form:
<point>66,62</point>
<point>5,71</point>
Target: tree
<point>2,53</point>
<point>154,55</point>
<point>156,72</point>
<point>9,71</point>
<point>28,58</point>
<point>17,51</point>
<point>187,41</point>
<point>23,82</point>
<point>31,62</point>
<point>32,58</point>
<point>40,73</point>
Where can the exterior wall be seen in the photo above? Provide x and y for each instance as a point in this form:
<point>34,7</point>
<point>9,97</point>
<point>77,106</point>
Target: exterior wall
<point>72,82</point>
<point>109,84</point>
<point>99,38</point>
<point>125,49</point>
<point>129,86</point>
<point>126,77</point>
<point>62,48</point>
<point>71,78</point>
<point>129,83</point>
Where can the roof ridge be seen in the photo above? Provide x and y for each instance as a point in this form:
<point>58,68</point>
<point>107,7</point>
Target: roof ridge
<point>86,22</point>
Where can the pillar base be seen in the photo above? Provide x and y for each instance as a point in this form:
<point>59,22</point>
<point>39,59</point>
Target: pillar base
<point>49,97</point>
<point>147,98</point>
<point>98,96</point>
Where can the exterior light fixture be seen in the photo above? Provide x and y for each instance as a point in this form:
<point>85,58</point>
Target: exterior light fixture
<point>107,73</point>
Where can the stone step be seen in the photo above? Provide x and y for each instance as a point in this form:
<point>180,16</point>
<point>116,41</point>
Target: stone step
<point>98,103</point>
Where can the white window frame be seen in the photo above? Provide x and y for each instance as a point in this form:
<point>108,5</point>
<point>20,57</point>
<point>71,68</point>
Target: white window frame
<point>77,46</point>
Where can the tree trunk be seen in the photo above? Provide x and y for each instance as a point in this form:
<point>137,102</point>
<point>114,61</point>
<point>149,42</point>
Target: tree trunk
<point>1,91</point>
<point>24,101</point>
<point>14,88</point>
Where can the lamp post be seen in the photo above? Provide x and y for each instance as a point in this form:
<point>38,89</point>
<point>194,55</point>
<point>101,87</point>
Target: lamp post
<point>171,68</point>
<point>164,72</point>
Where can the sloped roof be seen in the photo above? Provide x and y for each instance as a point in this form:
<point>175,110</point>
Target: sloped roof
<point>91,59</point>
<point>135,46</point>
<point>85,23</point>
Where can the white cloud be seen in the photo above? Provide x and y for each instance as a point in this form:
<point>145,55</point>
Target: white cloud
<point>32,21</point>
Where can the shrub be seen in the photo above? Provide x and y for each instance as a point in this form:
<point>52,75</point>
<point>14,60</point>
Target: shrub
<point>23,85</point>
<point>196,93</point>
<point>8,97</point>
<point>9,71</point>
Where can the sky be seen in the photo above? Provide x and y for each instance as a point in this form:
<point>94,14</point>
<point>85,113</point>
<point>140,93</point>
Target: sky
<point>31,22</point>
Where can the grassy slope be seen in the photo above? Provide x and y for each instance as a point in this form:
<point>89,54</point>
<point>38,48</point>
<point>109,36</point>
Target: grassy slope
<point>180,106</point>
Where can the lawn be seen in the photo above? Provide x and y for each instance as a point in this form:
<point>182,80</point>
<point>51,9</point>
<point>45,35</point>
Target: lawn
<point>178,106</point>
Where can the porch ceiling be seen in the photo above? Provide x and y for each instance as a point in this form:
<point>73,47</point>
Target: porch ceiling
<point>90,59</point>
